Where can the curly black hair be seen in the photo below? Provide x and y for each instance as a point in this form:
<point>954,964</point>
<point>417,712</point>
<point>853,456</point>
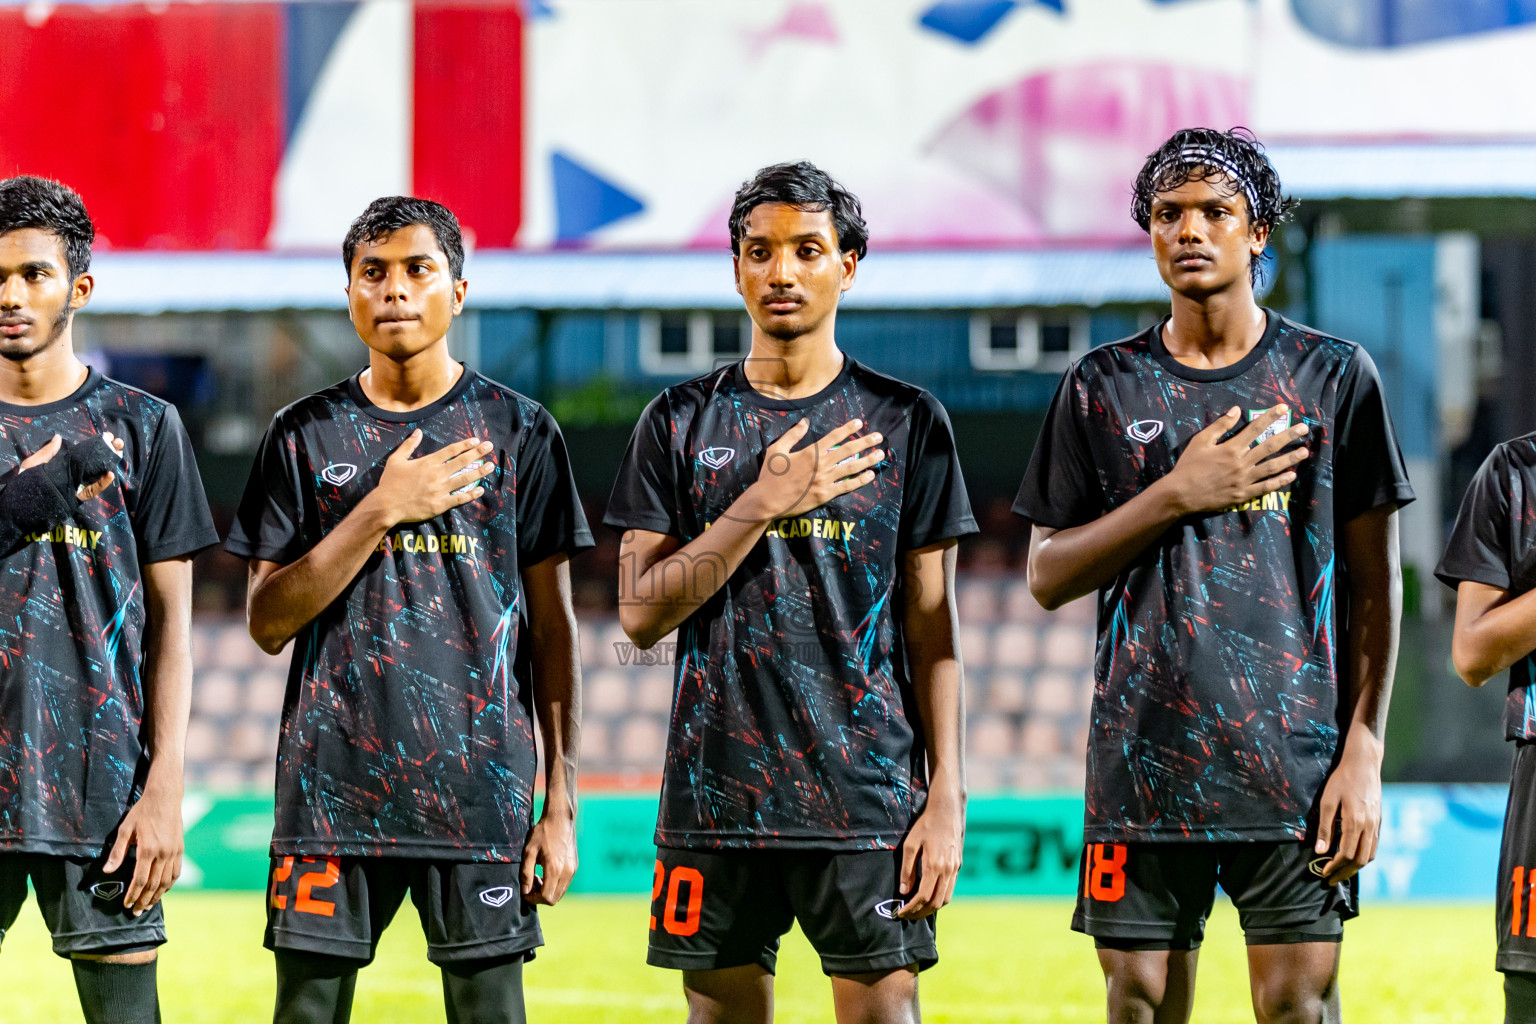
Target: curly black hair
<point>1235,159</point>
<point>390,213</point>
<point>47,205</point>
<point>810,188</point>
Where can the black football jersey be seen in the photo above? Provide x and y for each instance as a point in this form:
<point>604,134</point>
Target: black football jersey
<point>72,618</point>
<point>794,723</point>
<point>407,724</point>
<point>1216,700</point>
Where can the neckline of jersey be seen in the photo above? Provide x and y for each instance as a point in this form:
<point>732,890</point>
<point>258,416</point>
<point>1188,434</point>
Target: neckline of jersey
<point>745,389</point>
<point>1272,323</point>
<point>359,396</point>
<point>93,379</point>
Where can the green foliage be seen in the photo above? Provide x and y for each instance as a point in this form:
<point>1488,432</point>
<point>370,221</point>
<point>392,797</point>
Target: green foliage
<point>600,400</point>
<point>1002,960</point>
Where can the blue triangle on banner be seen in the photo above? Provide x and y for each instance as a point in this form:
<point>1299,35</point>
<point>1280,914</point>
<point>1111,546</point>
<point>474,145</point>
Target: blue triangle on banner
<point>585,201</point>
<point>971,20</point>
<point>311,31</point>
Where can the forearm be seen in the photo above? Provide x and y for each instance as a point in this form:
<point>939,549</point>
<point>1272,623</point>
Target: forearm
<point>557,706</point>
<point>1374,630</point>
<point>930,629</point>
<point>292,596</point>
<point>1488,643</point>
<point>1073,562</point>
<point>654,600</point>
<point>168,674</point>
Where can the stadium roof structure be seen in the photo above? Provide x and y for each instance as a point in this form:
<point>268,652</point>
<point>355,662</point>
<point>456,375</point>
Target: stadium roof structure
<point>146,283</point>
<point>1399,170</point>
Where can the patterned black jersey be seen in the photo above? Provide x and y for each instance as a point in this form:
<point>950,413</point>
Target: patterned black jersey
<point>407,725</point>
<point>1216,704</point>
<point>793,723</point>
<point>1494,542</point>
<point>72,616</point>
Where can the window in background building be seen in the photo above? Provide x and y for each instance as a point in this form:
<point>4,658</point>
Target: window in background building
<point>677,342</point>
<point>1036,339</point>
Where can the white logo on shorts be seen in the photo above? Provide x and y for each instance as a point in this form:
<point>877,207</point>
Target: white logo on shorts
<point>338,473</point>
<point>715,458</point>
<point>887,908</point>
<point>108,891</point>
<point>498,897</point>
<point>1144,430</point>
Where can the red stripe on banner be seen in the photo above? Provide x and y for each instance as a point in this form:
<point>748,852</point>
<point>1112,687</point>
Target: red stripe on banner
<point>469,115</point>
<point>167,121</point>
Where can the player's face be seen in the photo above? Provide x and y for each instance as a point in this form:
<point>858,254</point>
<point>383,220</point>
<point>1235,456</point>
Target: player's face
<point>1202,238</point>
<point>402,296</point>
<point>36,295</point>
<point>790,271</point>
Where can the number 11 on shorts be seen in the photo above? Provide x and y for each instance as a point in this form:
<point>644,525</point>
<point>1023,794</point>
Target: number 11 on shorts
<point>1104,871</point>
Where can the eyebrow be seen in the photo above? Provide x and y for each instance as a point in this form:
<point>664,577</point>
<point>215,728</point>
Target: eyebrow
<point>810,236</point>
<point>32,265</point>
<point>379,261</point>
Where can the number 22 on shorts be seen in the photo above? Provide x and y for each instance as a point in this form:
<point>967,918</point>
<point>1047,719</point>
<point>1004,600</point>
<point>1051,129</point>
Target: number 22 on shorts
<point>324,876</point>
<point>689,923</point>
<point>1104,871</point>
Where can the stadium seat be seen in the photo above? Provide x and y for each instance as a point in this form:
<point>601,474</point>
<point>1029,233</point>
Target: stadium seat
<point>1054,694</point>
<point>605,692</point>
<point>217,692</point>
<point>1007,692</point>
<point>975,645</point>
<point>1040,738</point>
<point>641,742</point>
<point>1067,646</point>
<point>990,737</point>
<point>653,689</point>
<point>976,600</point>
<point>1013,646</point>
<point>264,691</point>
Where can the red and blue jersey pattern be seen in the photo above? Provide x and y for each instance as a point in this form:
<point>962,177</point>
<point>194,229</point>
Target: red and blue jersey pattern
<point>407,725</point>
<point>1494,543</point>
<point>72,618</point>
<point>794,723</point>
<point>1216,701</point>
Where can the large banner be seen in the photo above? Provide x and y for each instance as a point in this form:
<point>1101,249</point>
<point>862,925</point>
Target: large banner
<point>1437,842</point>
<point>630,123</point>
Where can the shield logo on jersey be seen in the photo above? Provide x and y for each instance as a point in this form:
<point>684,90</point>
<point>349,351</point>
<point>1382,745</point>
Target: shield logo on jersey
<point>107,890</point>
<point>1144,430</point>
<point>714,458</point>
<point>497,897</point>
<point>887,909</point>
<point>1317,865</point>
<point>338,473</point>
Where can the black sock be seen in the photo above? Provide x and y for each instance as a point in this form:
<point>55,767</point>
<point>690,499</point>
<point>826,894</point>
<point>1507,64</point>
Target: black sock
<point>1519,998</point>
<point>117,993</point>
<point>485,991</point>
<point>313,988</point>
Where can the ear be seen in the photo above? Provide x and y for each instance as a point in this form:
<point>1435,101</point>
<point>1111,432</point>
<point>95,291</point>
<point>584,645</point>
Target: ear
<point>850,269</point>
<point>80,291</point>
<point>1258,239</point>
<point>736,273</point>
<point>460,289</point>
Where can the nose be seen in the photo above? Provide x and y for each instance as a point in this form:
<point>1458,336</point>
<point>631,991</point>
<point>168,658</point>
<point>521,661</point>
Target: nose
<point>1189,227</point>
<point>12,292</point>
<point>781,269</point>
<point>394,285</point>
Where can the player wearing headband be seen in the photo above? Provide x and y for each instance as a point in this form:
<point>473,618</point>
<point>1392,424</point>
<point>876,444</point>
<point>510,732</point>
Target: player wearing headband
<point>1227,481</point>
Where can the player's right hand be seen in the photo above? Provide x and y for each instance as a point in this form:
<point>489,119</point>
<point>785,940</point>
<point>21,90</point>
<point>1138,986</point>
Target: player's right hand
<point>52,448</point>
<point>415,490</point>
<point>1213,474</point>
<point>791,482</point>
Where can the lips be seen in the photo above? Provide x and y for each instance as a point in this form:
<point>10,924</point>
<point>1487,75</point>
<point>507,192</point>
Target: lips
<point>1192,260</point>
<point>782,304</point>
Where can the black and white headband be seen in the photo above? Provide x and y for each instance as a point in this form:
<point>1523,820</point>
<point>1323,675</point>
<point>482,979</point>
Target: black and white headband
<point>1209,156</point>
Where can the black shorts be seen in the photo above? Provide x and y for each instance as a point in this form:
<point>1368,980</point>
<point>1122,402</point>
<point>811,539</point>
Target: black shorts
<point>728,908</point>
<point>1157,895</point>
<point>82,905</point>
<point>1517,867</point>
<point>341,905</point>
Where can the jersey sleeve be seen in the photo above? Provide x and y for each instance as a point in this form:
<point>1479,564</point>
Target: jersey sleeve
<point>1477,550</point>
<point>934,502</point>
<point>644,493</point>
<point>549,515</point>
<point>267,524</point>
<point>1061,486</point>
<point>170,516</point>
<point>1368,470</point>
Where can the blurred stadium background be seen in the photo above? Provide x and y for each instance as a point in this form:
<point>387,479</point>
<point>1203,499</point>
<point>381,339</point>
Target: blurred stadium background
<point>591,148</point>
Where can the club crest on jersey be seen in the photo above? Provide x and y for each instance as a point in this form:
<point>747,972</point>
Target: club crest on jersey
<point>1317,865</point>
<point>1280,425</point>
<point>1144,430</point>
<point>497,897</point>
<point>108,891</point>
<point>338,473</point>
<point>887,909</point>
<point>715,458</point>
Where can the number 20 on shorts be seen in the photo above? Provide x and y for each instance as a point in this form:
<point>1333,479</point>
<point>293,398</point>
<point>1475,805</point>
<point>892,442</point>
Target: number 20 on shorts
<point>1104,871</point>
<point>688,923</point>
